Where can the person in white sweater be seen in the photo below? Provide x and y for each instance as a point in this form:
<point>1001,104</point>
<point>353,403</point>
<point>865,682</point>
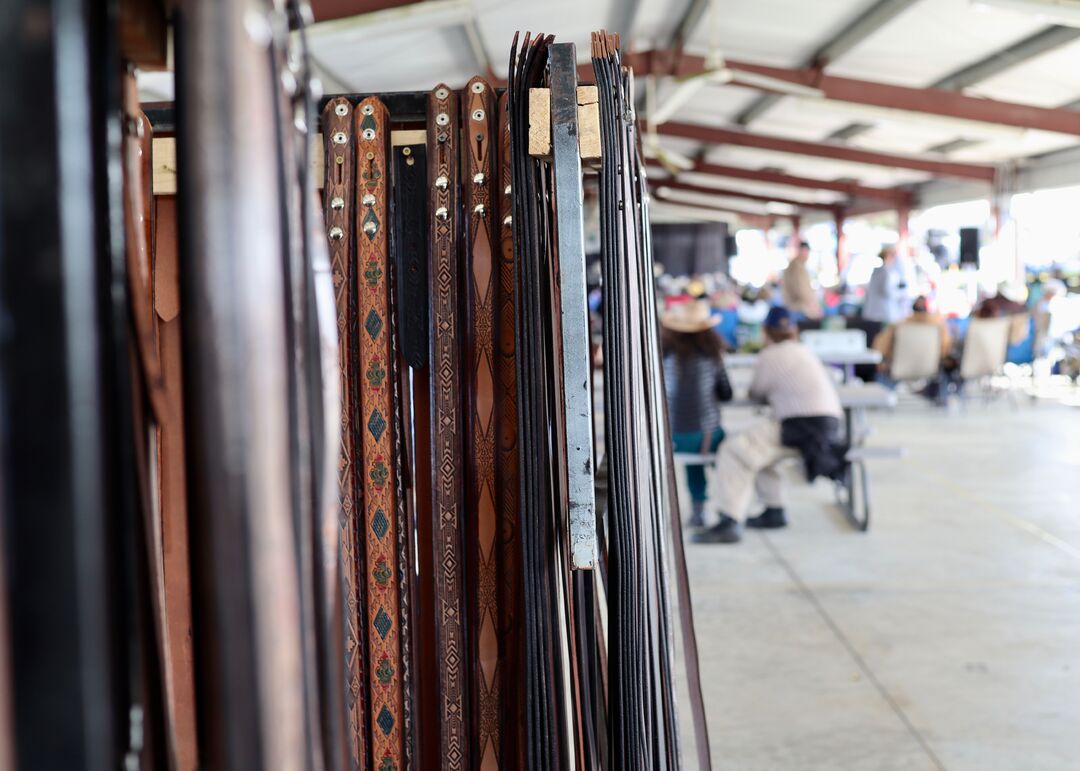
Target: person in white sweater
<point>806,421</point>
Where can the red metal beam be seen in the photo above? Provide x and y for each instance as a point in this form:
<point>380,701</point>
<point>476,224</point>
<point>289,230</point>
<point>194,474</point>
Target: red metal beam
<point>928,101</point>
<point>327,10</point>
<point>825,150</point>
<point>674,184</point>
<point>851,189</point>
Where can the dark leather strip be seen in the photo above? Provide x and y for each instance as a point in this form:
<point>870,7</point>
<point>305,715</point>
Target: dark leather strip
<point>480,282</point>
<point>509,565</point>
<point>446,421</point>
<point>411,247</point>
<point>377,413</point>
<point>338,196</point>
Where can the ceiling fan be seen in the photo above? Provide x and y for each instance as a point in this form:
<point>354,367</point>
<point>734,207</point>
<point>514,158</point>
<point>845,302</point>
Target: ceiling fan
<point>716,72</point>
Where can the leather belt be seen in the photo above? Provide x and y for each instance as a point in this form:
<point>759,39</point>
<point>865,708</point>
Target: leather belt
<point>377,412</point>
<point>337,122</point>
<point>173,491</point>
<point>409,279</point>
<point>445,433</point>
<point>149,654</point>
<point>507,481</point>
<point>480,284</point>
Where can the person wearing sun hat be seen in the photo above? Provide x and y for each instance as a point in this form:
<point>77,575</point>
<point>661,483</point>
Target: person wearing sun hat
<point>806,409</point>
<point>696,384</point>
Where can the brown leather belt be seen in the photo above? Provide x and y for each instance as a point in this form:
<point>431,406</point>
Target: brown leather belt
<point>480,424</point>
<point>173,490</point>
<point>337,122</point>
<point>449,557</point>
<point>511,754</point>
<point>377,410</point>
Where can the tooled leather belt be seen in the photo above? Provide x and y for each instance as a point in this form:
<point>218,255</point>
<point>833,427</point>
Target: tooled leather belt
<point>445,437</point>
<point>509,566</point>
<point>337,122</point>
<point>380,475</point>
<point>480,282</point>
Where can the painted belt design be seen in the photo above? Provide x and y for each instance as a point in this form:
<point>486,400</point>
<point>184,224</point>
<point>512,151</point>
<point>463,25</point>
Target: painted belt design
<point>445,437</point>
<point>337,124</point>
<point>377,410</point>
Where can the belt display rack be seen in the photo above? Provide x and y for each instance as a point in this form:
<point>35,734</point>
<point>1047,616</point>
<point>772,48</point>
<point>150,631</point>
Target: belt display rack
<point>364,521</point>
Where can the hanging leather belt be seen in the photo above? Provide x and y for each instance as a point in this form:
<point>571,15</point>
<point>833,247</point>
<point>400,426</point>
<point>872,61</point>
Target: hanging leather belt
<point>480,284</point>
<point>410,246</point>
<point>511,754</point>
<point>337,122</point>
<point>152,685</point>
<point>445,432</point>
<point>377,413</point>
<point>172,476</point>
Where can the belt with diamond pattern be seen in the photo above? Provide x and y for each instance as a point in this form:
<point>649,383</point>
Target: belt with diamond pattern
<point>337,122</point>
<point>445,427</point>
<point>507,479</point>
<point>478,181</point>
<point>377,410</point>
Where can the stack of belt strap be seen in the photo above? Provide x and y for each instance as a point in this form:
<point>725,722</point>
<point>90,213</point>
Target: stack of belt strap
<point>381,471</point>
<point>548,735</point>
<point>641,501</point>
<point>446,422</point>
<point>480,282</point>
<point>338,196</point>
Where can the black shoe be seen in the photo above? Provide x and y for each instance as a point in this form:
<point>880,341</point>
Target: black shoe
<point>697,519</point>
<point>770,519</point>
<point>725,531</point>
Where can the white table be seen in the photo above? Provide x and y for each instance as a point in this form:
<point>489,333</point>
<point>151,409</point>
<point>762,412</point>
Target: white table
<point>845,359</point>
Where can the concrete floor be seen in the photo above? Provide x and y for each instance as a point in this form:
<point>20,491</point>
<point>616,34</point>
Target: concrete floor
<point>948,636</point>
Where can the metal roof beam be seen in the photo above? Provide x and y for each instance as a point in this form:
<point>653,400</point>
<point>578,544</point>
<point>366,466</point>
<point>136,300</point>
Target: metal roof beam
<point>328,10</point>
<point>850,189</point>
<point>857,30</point>
<point>927,101</point>
<point>825,150</point>
<point>687,187</point>
<point>1041,42</point>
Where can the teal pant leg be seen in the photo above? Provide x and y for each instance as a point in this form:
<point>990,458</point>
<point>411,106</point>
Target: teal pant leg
<point>695,475</point>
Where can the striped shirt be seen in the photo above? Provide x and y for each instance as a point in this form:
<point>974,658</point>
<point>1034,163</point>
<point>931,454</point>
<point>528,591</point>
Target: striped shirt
<point>692,389</point>
<point>792,379</point>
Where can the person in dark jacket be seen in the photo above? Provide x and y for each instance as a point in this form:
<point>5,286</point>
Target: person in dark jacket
<point>696,384</point>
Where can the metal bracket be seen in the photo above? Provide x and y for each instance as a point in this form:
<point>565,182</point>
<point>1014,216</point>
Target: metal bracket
<point>577,383</point>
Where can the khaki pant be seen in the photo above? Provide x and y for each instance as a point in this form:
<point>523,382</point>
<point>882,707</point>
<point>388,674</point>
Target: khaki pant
<point>748,463</point>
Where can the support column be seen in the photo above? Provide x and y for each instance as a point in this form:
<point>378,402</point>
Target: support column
<point>841,256</point>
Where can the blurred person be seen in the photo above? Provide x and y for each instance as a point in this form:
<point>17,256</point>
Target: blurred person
<point>696,383</point>
<point>806,417</point>
<point>888,294</point>
<point>1008,302</point>
<point>920,314</point>
<point>799,295</point>
<point>1043,311</point>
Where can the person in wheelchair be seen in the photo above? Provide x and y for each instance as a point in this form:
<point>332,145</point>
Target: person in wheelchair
<point>806,408</point>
